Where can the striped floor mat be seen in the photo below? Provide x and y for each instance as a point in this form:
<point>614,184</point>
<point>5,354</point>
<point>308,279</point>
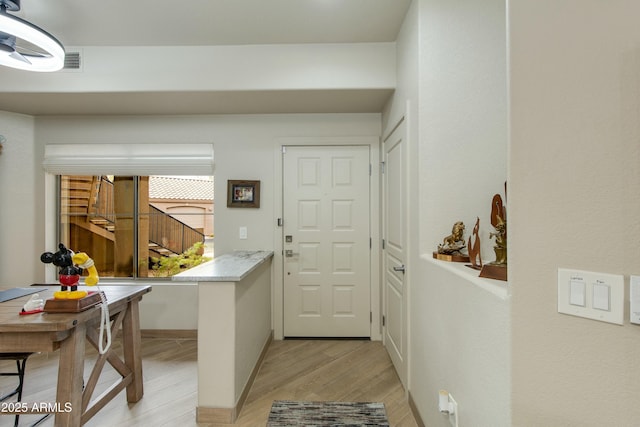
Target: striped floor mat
<point>285,413</point>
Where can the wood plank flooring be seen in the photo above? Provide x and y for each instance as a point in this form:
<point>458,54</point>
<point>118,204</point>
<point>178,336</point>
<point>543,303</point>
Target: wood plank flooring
<point>342,370</point>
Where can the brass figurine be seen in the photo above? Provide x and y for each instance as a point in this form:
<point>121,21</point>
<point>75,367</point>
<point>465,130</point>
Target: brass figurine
<point>498,268</point>
<point>499,222</point>
<point>454,242</point>
<point>452,246</point>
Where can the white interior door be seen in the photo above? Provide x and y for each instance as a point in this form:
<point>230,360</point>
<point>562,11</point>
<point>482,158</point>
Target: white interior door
<point>395,301</point>
<point>326,241</point>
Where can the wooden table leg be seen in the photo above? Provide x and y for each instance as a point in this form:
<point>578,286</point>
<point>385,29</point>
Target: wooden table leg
<point>132,350</point>
<point>70,378</point>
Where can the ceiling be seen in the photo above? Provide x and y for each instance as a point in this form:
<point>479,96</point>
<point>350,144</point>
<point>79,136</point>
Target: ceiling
<point>204,23</point>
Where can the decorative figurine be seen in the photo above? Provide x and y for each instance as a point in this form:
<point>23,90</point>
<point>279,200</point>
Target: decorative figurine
<point>71,266</point>
<point>452,246</point>
<point>474,248</point>
<point>498,268</point>
<point>499,222</point>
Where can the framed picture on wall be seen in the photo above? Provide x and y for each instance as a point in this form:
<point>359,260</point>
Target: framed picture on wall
<point>243,194</point>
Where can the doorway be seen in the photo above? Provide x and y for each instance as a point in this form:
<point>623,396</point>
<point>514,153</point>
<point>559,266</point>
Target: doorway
<point>395,248</point>
<point>326,241</point>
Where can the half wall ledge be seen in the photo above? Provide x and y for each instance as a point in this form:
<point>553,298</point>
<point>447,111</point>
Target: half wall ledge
<point>497,287</point>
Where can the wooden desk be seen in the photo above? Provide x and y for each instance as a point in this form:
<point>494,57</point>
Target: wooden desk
<point>67,332</point>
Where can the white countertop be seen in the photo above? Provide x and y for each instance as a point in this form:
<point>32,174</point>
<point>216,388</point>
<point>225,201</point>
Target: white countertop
<point>231,267</point>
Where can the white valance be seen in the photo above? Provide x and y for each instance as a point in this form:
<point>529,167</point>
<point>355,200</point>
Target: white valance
<point>129,159</point>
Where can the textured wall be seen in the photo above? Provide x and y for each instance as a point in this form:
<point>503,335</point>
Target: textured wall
<point>575,203</point>
<point>459,331</point>
<point>21,198</point>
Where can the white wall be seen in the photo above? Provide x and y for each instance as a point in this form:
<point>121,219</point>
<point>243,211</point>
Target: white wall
<point>170,306</point>
<point>463,116</point>
<point>243,149</point>
<point>21,201</point>
<point>459,325</point>
<point>575,203</point>
<point>216,68</point>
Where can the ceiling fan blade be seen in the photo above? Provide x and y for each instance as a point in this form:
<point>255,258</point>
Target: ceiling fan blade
<point>28,50</point>
<point>19,57</point>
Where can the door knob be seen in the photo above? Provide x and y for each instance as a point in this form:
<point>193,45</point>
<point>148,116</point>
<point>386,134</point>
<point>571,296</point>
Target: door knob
<point>401,268</point>
<point>289,253</point>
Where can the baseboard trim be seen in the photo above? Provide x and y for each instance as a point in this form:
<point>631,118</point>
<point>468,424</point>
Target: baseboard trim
<point>229,415</point>
<point>414,411</point>
<point>170,333</point>
<point>215,415</point>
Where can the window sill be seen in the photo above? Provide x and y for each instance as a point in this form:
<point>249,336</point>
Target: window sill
<point>496,287</point>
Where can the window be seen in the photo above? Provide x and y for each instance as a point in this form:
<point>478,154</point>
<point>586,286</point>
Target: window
<point>138,226</point>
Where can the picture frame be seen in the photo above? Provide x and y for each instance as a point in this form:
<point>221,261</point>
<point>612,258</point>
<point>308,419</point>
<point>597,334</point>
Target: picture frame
<point>243,194</point>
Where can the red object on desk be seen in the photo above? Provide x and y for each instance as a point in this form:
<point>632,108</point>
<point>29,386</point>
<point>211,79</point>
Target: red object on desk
<point>23,313</point>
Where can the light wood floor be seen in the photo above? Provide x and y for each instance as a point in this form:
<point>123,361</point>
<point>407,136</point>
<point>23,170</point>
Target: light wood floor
<point>341,370</point>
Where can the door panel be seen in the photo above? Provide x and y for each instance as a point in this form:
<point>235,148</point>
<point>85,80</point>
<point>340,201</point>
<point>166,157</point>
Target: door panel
<point>326,227</point>
<point>395,300</point>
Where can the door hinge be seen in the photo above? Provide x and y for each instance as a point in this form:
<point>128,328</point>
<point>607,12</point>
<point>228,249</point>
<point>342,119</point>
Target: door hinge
<point>381,167</point>
<point>370,243</point>
<point>383,244</point>
<point>280,222</point>
<point>284,149</point>
<point>370,317</point>
<point>384,321</point>
<point>370,169</point>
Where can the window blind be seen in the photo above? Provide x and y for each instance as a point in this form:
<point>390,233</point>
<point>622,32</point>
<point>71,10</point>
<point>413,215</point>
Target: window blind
<point>129,159</point>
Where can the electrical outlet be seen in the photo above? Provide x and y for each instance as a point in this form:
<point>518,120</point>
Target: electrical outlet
<point>448,405</point>
<point>443,400</point>
<point>453,411</point>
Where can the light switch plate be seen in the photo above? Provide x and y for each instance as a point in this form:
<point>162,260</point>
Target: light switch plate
<point>634,299</point>
<point>577,292</point>
<point>598,287</point>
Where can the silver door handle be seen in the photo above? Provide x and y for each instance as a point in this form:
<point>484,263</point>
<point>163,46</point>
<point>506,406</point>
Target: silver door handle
<point>289,253</point>
<point>401,268</point>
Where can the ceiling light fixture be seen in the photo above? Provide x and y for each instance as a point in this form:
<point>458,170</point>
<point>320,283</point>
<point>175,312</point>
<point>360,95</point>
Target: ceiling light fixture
<point>25,46</point>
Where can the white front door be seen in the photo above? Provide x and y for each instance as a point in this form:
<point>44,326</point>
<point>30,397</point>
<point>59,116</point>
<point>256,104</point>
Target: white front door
<point>326,241</point>
<point>395,301</point>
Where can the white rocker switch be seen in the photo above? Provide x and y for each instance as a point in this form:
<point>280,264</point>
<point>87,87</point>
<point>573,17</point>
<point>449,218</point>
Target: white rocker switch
<point>577,293</point>
<point>601,294</point>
